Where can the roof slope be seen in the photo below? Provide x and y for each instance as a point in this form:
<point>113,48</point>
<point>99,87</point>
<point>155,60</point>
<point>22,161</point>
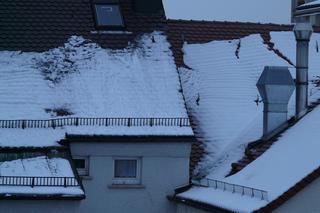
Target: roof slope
<point>199,32</point>
<point>38,25</point>
<point>40,167</point>
<point>216,63</point>
<point>55,64</point>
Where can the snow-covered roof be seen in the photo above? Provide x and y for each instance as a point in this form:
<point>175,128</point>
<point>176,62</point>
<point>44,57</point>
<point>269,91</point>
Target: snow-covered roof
<point>281,169</point>
<point>45,171</point>
<point>310,4</point>
<point>85,80</point>
<point>222,97</point>
<point>81,79</point>
<point>221,91</point>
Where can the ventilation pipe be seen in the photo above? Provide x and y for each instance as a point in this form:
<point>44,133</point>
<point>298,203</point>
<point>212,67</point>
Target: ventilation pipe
<point>148,6</point>
<point>275,86</point>
<point>303,32</point>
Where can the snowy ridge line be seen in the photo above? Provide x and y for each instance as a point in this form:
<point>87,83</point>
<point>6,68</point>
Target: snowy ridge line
<point>234,188</point>
<point>38,181</point>
<point>71,121</point>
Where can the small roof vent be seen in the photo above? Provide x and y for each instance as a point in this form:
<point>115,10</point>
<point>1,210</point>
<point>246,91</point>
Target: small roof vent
<point>275,87</point>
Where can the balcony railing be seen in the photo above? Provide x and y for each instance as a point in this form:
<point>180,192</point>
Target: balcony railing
<point>60,122</point>
<point>234,188</point>
<point>38,181</point>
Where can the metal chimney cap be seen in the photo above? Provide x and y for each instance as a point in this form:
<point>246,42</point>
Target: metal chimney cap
<point>303,31</point>
<point>275,84</point>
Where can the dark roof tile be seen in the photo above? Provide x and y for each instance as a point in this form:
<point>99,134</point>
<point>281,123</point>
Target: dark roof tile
<point>22,22</point>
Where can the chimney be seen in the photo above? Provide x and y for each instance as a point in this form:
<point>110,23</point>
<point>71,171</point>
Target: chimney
<point>275,86</point>
<point>148,6</point>
<point>303,32</point>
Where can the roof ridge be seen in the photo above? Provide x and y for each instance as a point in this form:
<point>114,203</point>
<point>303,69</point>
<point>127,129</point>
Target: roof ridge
<point>228,22</point>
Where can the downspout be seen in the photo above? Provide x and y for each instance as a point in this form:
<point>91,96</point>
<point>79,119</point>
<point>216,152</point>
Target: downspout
<point>303,32</point>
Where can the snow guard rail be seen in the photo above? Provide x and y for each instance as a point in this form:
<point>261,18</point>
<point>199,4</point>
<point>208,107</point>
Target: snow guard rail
<point>234,188</point>
<point>38,181</point>
<point>71,121</point>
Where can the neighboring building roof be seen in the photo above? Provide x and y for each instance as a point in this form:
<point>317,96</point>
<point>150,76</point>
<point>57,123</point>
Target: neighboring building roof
<point>309,5</point>
<point>37,25</point>
<point>219,67</point>
<point>39,177</point>
<point>199,32</point>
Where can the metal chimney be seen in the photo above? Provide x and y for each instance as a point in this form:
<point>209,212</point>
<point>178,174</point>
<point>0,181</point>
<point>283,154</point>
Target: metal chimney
<point>275,86</point>
<point>303,32</point>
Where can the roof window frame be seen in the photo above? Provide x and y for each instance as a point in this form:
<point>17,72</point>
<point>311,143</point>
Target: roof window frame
<point>107,3</point>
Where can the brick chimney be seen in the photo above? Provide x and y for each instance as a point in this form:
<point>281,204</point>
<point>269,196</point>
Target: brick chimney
<point>148,6</point>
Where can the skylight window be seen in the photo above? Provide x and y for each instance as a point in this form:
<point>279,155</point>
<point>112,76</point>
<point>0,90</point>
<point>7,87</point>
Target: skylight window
<point>108,15</point>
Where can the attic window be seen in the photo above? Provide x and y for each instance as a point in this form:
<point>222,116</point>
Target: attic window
<point>108,15</point>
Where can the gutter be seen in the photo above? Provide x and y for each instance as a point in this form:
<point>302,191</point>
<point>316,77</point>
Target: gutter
<point>192,203</point>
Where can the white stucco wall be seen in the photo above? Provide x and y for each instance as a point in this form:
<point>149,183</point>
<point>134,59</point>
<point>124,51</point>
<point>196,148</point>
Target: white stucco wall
<point>39,206</point>
<point>181,208</point>
<point>165,166</point>
<point>306,201</point>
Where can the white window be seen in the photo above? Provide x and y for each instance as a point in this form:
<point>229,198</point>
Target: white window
<point>127,171</point>
<point>82,165</point>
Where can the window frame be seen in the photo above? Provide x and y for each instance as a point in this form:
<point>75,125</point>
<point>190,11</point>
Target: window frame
<point>82,172</point>
<point>127,181</point>
<point>107,27</point>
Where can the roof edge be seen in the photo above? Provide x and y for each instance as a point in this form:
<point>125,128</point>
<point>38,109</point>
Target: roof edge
<point>291,192</point>
<point>198,204</point>
<point>41,197</point>
<point>228,22</point>
<point>126,139</point>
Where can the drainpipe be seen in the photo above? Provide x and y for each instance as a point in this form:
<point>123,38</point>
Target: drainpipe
<point>294,4</point>
<point>303,32</point>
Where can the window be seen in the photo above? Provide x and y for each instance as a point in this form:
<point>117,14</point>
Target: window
<point>108,15</point>
<point>82,165</point>
<point>127,171</point>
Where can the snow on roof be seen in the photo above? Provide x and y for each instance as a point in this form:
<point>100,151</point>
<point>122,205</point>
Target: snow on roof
<point>51,137</point>
<point>30,137</point>
<point>221,93</point>
<point>313,3</point>
<point>37,167</point>
<point>226,88</point>
<point>223,199</point>
<point>86,80</point>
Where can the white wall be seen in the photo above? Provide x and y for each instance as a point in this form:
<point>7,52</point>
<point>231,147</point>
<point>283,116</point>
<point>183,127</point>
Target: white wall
<point>165,166</point>
<point>39,206</point>
<point>181,208</point>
